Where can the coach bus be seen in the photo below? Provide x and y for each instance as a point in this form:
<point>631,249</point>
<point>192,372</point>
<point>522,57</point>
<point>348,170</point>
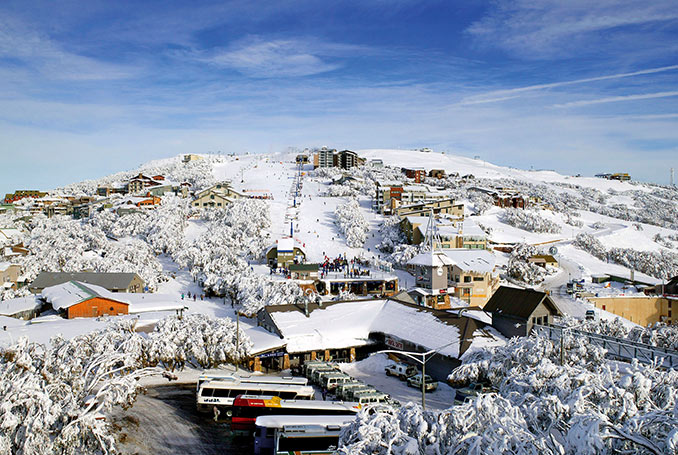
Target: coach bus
<point>246,409</point>
<point>234,377</point>
<point>307,434</point>
<point>222,393</point>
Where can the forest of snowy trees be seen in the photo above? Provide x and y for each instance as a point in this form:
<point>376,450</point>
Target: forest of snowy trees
<point>585,405</point>
<point>53,396</point>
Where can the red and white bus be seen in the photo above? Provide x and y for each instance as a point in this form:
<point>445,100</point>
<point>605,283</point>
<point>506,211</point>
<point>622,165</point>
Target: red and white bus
<point>222,393</point>
<point>246,409</point>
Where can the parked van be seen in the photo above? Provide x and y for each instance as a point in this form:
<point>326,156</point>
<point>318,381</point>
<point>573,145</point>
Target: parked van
<point>342,389</point>
<point>322,374</point>
<point>401,370</point>
<point>311,368</point>
<point>331,381</point>
<point>352,394</point>
<point>368,398</point>
<point>305,367</point>
<point>317,372</point>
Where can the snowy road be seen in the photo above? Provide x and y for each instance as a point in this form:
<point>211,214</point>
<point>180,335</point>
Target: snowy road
<point>165,422</point>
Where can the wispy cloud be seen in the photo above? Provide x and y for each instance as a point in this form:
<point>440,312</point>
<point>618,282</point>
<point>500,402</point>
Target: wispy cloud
<point>502,95</point>
<point>545,28</point>
<point>614,99</point>
<point>37,51</point>
<point>261,58</point>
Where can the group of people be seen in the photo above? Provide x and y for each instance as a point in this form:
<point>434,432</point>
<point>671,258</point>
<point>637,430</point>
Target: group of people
<point>195,296</point>
<point>351,269</point>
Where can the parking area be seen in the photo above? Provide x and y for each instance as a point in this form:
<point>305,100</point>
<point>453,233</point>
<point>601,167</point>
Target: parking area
<point>371,371</point>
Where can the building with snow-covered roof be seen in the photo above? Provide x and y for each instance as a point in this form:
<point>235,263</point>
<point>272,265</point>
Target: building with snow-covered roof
<point>22,307</point>
<point>284,252</point>
<point>113,282</point>
<point>516,311</point>
<point>472,275</point>
<point>442,206</point>
<point>10,236</point>
<point>10,275</point>
<point>74,299</point>
<point>347,331</point>
<point>431,272</point>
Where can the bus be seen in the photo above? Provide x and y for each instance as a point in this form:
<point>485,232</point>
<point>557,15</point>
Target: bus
<point>246,408</point>
<point>222,393</point>
<point>281,435</point>
<point>221,375</point>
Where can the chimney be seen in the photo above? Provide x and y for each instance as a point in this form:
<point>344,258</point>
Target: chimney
<point>306,307</point>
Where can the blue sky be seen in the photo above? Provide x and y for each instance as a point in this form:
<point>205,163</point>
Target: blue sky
<point>88,88</point>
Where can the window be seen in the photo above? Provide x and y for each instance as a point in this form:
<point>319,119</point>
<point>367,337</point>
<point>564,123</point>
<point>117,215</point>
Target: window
<point>467,279</point>
<point>478,278</point>
<point>212,196</point>
<point>456,278</point>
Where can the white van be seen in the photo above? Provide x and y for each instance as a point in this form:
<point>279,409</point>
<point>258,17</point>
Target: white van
<point>401,370</point>
<point>332,380</point>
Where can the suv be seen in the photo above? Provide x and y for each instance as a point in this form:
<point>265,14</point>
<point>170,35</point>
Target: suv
<point>402,370</point>
<point>415,381</point>
<point>474,389</point>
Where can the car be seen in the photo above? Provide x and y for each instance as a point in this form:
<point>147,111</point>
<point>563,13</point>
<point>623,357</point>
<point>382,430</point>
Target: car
<point>401,370</point>
<point>591,315</point>
<point>415,381</point>
<point>467,393</point>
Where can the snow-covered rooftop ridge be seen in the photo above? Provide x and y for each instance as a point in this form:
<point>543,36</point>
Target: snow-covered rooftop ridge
<point>72,292</point>
<point>431,259</point>
<point>472,260</point>
<point>347,324</point>
<point>17,305</point>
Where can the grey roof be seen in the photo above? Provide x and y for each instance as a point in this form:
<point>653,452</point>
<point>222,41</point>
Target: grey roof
<point>519,303</point>
<point>105,280</point>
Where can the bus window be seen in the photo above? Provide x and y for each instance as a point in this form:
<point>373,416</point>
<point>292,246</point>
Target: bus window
<point>206,392</point>
<point>307,443</point>
<point>221,393</point>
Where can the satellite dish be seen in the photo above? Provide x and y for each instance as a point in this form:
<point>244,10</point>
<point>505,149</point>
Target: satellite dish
<point>553,250</point>
<point>439,271</point>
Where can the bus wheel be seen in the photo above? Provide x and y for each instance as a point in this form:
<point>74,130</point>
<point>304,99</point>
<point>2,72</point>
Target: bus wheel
<point>229,413</point>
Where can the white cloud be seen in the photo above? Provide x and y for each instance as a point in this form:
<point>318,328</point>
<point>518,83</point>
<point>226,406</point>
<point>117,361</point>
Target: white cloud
<point>39,52</point>
<point>614,99</point>
<point>544,28</point>
<point>260,58</point>
<point>502,95</point>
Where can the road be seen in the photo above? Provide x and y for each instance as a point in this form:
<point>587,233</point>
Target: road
<point>557,286</point>
<point>164,421</point>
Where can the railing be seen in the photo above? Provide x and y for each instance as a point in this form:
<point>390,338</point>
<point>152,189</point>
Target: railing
<point>619,348</point>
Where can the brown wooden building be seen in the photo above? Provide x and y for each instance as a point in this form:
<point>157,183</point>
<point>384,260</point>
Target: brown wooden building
<point>77,300</point>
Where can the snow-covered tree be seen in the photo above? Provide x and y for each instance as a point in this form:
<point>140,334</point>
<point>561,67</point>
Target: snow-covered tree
<point>528,272</point>
<point>352,223</point>
<point>584,405</point>
<point>53,396</point>
<point>529,221</point>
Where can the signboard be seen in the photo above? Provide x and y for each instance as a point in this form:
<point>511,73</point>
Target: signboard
<point>269,355</point>
<point>393,343</point>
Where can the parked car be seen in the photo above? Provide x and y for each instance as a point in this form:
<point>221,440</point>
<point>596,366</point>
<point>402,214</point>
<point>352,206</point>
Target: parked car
<point>474,389</point>
<point>591,315</point>
<point>401,370</point>
<point>429,384</point>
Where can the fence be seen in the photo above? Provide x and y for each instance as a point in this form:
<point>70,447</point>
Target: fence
<point>619,348</point>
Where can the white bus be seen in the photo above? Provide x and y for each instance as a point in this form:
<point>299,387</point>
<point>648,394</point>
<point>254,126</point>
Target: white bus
<point>221,375</point>
<point>247,408</point>
<point>222,393</point>
<point>284,434</point>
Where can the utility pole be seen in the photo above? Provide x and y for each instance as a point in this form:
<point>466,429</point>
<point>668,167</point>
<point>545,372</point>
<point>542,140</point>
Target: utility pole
<point>237,339</point>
